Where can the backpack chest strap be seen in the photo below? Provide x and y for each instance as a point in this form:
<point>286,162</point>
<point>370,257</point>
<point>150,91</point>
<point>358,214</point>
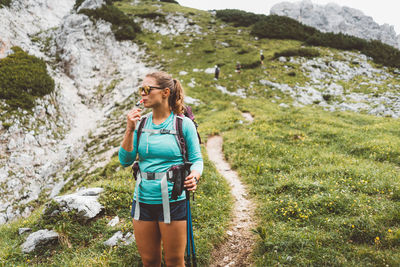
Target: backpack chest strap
<point>159,131</point>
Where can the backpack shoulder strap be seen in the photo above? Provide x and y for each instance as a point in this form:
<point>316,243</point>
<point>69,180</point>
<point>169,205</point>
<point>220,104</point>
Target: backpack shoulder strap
<point>142,123</point>
<point>178,121</point>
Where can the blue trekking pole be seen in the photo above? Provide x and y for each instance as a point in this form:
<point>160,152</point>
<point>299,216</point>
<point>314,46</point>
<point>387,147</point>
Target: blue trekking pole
<point>190,249</point>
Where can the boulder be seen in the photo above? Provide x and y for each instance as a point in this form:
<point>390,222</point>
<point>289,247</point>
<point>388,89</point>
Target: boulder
<point>114,221</point>
<point>113,241</point>
<point>128,239</point>
<point>85,202</point>
<point>23,230</point>
<point>38,239</point>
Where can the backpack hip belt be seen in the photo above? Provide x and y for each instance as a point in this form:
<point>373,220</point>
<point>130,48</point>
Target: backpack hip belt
<point>164,177</point>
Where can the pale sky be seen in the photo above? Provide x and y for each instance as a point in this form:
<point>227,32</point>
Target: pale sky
<point>382,11</point>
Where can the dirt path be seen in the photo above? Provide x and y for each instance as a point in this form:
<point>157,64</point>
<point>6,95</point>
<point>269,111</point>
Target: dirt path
<point>236,249</point>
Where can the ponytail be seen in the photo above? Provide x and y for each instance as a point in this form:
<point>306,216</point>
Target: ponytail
<point>175,100</point>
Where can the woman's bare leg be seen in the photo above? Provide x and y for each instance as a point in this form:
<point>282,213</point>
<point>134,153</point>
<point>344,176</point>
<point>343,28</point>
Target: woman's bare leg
<point>148,242</point>
<point>173,236</point>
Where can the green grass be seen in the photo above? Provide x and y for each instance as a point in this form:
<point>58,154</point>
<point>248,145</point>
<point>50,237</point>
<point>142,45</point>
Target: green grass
<point>326,184</point>
<point>81,243</point>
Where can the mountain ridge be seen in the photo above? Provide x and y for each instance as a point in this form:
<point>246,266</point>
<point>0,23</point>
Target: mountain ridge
<point>334,18</point>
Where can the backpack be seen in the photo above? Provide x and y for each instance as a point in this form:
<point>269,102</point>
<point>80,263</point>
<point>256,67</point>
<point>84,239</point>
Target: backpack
<point>179,131</point>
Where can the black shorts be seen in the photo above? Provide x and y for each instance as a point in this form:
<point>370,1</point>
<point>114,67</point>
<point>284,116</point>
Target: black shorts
<point>154,212</point>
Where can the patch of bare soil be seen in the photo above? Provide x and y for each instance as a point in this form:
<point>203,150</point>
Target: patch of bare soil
<point>235,251</point>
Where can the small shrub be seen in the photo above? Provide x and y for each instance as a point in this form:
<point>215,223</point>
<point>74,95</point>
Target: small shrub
<point>123,27</point>
<point>7,125</point>
<point>280,27</point>
<point>23,78</point>
<point>327,98</point>
<point>78,3</point>
<point>170,1</point>
<point>153,16</point>
<point>5,3</point>
<point>243,51</point>
<point>238,17</point>
<point>251,65</point>
<point>301,52</point>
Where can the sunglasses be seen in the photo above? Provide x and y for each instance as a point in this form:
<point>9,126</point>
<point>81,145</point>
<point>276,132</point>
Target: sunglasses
<point>147,89</point>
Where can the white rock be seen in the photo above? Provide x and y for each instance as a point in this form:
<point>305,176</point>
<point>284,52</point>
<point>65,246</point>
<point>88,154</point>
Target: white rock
<point>183,72</point>
<point>129,238</point>
<point>30,140</point>
<point>282,59</point>
<point>3,218</point>
<point>114,221</point>
<point>38,239</point>
<point>11,144</point>
<point>283,105</point>
<point>84,202</point>
<point>23,230</point>
<point>91,4</point>
<point>113,241</point>
<point>191,101</point>
<point>209,70</point>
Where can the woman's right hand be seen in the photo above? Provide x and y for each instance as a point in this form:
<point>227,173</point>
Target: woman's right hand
<point>132,118</point>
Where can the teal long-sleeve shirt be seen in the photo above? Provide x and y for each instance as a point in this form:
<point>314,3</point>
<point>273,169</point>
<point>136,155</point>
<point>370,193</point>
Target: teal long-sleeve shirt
<point>158,152</point>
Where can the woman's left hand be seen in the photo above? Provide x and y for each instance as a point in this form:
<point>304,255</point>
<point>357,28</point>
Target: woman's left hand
<point>190,181</point>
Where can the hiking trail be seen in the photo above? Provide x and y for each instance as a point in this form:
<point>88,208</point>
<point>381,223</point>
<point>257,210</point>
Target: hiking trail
<point>234,251</point>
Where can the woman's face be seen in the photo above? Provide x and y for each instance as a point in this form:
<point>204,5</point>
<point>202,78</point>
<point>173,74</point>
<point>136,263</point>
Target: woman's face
<point>155,97</point>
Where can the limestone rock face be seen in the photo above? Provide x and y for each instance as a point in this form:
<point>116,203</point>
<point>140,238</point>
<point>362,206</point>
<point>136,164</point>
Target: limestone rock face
<point>335,18</point>
<point>38,239</point>
<point>93,72</point>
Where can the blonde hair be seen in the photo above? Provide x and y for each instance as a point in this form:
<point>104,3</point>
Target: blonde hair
<point>175,99</point>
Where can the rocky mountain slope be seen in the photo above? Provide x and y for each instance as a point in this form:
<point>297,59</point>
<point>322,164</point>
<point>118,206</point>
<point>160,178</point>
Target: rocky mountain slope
<point>92,72</point>
<point>301,145</point>
<point>334,18</point>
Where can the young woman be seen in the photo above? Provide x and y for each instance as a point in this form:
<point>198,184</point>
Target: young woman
<point>156,221</point>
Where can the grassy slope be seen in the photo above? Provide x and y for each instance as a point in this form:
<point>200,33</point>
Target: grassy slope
<point>326,183</point>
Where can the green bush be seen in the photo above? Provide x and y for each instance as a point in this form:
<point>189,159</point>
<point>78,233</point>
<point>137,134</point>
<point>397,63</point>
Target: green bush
<point>151,15</point>
<point>123,27</point>
<point>251,65</point>
<point>336,40</point>
<point>301,52</point>
<point>382,53</point>
<point>280,27</point>
<point>5,3</point>
<point>170,1</point>
<point>23,78</point>
<point>78,3</point>
<point>239,17</point>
